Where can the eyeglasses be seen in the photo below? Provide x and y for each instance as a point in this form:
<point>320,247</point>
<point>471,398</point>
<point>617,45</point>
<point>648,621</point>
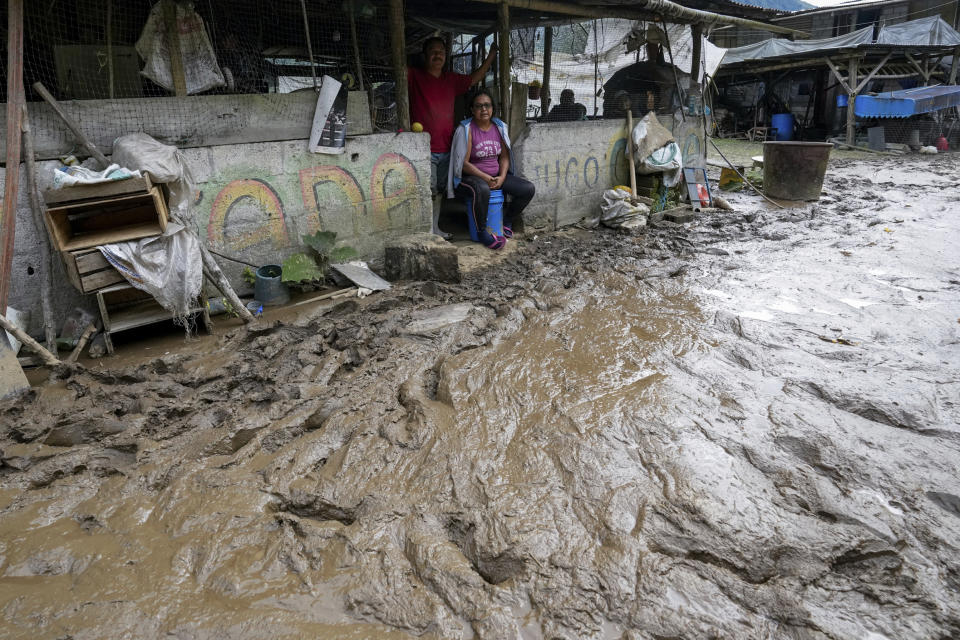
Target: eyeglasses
<point>483,105</point>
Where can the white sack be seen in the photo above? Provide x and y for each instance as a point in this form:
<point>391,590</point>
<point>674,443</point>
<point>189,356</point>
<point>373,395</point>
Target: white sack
<point>200,69</point>
<point>164,163</point>
<point>168,267</point>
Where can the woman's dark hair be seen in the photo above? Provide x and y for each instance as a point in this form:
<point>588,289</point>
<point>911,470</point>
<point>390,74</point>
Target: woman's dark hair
<point>482,92</point>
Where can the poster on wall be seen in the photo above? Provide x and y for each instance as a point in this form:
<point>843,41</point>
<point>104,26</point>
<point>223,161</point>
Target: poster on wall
<point>329,131</point>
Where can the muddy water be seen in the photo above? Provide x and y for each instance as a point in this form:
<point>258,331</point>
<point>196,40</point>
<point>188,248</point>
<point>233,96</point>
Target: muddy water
<point>744,428</point>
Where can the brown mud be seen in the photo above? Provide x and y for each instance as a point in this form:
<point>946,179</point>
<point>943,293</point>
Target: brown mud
<point>746,427</point>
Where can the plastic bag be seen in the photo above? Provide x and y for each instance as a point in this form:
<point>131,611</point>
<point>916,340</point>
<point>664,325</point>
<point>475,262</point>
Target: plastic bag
<point>618,212</point>
<point>657,150</point>
<point>200,69</point>
<point>76,174</point>
<point>169,267</point>
<point>163,162</point>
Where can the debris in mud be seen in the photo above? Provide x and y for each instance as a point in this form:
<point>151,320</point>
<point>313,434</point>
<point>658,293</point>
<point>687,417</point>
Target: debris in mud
<point>635,443</point>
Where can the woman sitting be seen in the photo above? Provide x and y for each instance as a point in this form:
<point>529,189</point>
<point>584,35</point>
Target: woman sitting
<point>481,160</point>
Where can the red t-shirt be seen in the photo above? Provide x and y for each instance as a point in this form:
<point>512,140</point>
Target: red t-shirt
<point>431,104</point>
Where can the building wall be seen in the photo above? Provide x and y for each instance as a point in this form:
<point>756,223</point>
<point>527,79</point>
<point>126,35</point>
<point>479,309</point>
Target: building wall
<point>257,200</point>
<point>571,163</point>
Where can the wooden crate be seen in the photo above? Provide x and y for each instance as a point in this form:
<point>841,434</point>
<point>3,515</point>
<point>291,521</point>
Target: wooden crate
<point>89,271</point>
<point>88,216</point>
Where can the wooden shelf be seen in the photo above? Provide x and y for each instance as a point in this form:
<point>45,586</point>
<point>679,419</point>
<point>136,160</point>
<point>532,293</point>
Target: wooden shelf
<point>135,309</point>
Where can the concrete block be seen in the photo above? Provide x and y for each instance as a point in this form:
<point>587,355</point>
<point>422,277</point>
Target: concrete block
<point>539,216</point>
<point>575,208</point>
<point>198,162</point>
<point>421,256</point>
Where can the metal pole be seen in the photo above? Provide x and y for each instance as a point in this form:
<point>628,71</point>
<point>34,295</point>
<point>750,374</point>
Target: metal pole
<point>596,68</point>
<point>547,61</point>
<point>503,28</point>
<point>110,45</point>
<point>306,29</point>
<point>15,99</point>
<point>398,45</point>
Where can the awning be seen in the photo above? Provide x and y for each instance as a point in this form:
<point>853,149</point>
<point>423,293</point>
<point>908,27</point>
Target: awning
<point>908,102</point>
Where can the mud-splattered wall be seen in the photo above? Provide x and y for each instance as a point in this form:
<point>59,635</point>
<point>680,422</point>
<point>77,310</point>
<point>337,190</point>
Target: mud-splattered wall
<point>257,200</point>
<point>571,163</point>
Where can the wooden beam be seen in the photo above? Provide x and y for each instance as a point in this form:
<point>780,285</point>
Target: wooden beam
<point>71,124</point>
<point>173,47</point>
<point>696,32</point>
<point>870,75</point>
<point>547,61</point>
<point>836,74</point>
<point>15,100</point>
<point>398,47</point>
<point>503,59</point>
<point>916,65</point>
<point>853,67</point>
<point>953,65</point>
<point>306,31</point>
<point>641,10</point>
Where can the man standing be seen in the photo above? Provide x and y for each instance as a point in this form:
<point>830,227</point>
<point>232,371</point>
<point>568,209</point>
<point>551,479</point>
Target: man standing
<point>433,93</point>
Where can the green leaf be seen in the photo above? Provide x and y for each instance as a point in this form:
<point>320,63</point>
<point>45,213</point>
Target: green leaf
<point>300,267</point>
<point>343,254</point>
<point>321,242</point>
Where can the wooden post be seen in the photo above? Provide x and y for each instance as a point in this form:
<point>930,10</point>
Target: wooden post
<point>398,45</point>
<point>110,46</point>
<point>71,124</point>
<point>953,64</point>
<point>503,29</point>
<point>696,32</point>
<point>8,225</point>
<point>39,210</point>
<point>852,71</point>
<point>48,358</point>
<point>306,30</point>
<point>547,61</point>
<point>173,47</point>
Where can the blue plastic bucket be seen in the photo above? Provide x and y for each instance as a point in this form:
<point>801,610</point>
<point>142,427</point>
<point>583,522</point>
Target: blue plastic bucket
<point>494,216</point>
<point>783,123</point>
<point>842,100</point>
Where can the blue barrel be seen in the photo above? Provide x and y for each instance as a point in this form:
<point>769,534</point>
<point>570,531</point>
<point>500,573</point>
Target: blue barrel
<point>783,123</point>
<point>494,216</point>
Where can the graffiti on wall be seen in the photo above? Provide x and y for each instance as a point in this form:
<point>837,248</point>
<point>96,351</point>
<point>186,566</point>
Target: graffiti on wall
<point>250,211</point>
<point>564,175</point>
<point>251,207</point>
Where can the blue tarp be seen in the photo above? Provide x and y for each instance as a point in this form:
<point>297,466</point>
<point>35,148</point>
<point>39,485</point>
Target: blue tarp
<point>907,102</point>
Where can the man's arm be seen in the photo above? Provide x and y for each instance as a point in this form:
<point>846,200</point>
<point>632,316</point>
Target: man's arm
<point>481,71</point>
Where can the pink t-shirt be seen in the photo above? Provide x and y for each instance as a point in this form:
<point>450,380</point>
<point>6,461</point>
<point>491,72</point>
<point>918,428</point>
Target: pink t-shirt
<point>486,147</point>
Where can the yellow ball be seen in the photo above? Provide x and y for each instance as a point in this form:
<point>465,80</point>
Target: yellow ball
<point>417,127</point>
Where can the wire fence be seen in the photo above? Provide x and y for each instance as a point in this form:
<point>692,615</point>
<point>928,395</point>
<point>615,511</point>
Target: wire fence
<point>117,50</point>
<point>113,49</point>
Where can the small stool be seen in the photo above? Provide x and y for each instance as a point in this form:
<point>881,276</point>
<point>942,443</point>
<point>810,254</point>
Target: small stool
<point>494,216</point>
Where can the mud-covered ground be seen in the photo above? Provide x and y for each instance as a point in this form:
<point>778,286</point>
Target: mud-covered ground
<point>745,427</point>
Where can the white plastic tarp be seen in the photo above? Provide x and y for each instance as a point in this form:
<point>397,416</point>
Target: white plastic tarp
<point>925,31</point>
<point>775,47</point>
<point>609,47</point>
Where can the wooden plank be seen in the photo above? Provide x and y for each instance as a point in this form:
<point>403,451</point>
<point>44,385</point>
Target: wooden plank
<point>89,260</point>
<point>146,215</point>
<point>99,279</point>
<point>503,57</point>
<point>102,190</point>
<point>172,32</point>
<point>14,112</point>
<point>398,46</point>
<point>201,121</point>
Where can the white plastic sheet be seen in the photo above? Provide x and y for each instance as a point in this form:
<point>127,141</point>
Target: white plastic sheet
<point>76,175</point>
<point>163,162</point>
<point>200,69</point>
<point>168,267</point>
<point>618,212</point>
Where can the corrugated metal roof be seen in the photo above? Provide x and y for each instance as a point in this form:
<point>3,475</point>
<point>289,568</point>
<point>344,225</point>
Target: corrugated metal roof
<point>908,102</point>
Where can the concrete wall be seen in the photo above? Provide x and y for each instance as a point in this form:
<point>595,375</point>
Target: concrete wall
<point>571,163</point>
<point>257,200</point>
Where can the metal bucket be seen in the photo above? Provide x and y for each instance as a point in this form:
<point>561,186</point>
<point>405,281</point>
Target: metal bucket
<point>268,287</point>
<point>794,170</point>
